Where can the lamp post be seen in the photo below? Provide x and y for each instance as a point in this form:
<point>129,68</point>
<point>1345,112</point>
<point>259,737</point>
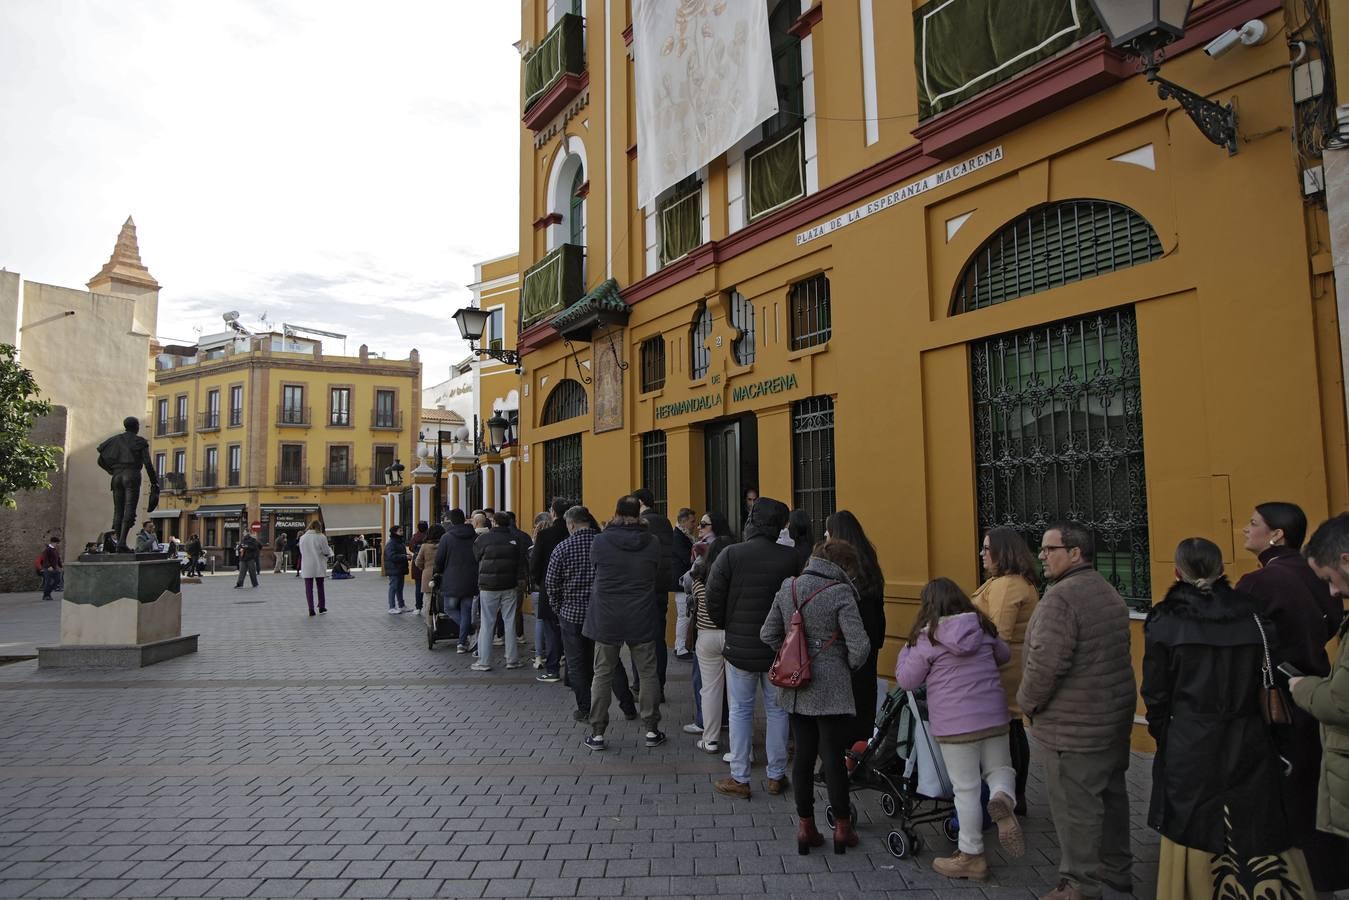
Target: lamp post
<point>441,438</point>
<point>1144,29</point>
<point>393,475</point>
<point>472,321</point>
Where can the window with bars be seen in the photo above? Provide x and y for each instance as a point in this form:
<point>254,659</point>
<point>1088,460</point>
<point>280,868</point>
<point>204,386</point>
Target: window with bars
<point>562,467</point>
<point>567,401</point>
<point>811,322</point>
<point>653,363</point>
<point>1058,434</point>
<point>813,482</point>
<point>699,333</point>
<point>1052,246</point>
<point>742,318</point>
<point>654,468</point>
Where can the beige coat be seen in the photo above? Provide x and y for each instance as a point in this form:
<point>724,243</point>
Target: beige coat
<point>426,563</point>
<point>1009,600</point>
<point>1077,686</point>
<point>1328,699</point>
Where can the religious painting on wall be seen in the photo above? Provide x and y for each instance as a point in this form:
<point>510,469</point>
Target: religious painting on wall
<point>608,381</point>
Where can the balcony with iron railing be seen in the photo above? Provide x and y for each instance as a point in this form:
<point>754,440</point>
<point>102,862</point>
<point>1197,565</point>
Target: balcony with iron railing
<point>234,478</point>
<point>173,481</point>
<point>554,71</point>
<point>386,419</point>
<point>206,480</point>
<point>208,421</point>
<point>341,477</point>
<point>236,417</point>
<point>169,427</point>
<point>552,284</point>
<point>292,475</point>
<point>297,416</point>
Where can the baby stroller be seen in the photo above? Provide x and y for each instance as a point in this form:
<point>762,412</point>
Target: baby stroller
<point>441,625</point>
<point>904,763</point>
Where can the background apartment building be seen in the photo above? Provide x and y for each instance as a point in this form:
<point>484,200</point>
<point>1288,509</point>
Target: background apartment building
<point>269,429</point>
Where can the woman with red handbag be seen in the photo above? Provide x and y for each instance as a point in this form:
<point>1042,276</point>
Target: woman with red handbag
<point>821,708</point>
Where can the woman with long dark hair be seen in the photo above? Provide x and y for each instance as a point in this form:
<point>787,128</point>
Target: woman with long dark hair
<point>1007,597</point>
<point>1305,616</point>
<point>870,584</point>
<point>1215,776</point>
<point>801,533</point>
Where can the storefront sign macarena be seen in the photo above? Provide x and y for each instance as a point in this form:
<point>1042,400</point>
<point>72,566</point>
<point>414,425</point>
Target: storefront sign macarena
<point>693,404</point>
<point>899,195</point>
<point>282,522</point>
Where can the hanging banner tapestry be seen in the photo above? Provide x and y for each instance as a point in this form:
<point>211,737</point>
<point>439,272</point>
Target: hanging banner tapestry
<point>967,46</point>
<point>704,73</point>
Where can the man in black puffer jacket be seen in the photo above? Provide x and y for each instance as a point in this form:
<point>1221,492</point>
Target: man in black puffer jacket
<point>549,538</point>
<point>626,560</point>
<point>659,527</point>
<point>457,568</point>
<point>502,565</point>
<point>740,591</point>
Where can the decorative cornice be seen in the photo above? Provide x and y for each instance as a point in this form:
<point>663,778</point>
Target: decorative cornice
<point>542,222</point>
<point>555,99</point>
<point>803,26</point>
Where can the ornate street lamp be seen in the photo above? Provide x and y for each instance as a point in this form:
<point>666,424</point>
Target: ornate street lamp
<point>393,475</point>
<point>1144,28</point>
<point>497,427</point>
<point>472,321</point>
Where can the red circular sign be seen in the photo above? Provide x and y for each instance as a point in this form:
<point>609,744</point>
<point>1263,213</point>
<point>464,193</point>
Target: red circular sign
<point>255,527</point>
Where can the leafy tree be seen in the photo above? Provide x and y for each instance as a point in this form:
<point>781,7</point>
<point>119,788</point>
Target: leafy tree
<point>23,464</point>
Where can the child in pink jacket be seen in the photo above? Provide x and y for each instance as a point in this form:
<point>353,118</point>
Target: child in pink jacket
<point>955,650</point>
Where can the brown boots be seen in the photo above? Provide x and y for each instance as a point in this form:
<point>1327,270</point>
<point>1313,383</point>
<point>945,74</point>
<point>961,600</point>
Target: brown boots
<point>807,836</point>
<point>844,836</point>
<point>962,865</point>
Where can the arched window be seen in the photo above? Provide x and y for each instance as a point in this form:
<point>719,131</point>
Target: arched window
<point>1054,245</point>
<point>576,211</point>
<point>567,401</point>
<point>699,356</point>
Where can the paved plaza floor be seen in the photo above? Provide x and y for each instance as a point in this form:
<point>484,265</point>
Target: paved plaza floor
<point>339,757</point>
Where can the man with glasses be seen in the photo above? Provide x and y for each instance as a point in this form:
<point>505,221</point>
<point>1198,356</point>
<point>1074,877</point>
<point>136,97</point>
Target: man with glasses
<point>1078,693</point>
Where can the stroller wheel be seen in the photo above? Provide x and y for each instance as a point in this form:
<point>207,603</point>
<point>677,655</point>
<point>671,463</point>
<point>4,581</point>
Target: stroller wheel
<point>829,816</point>
<point>431,638</point>
<point>951,828</point>
<point>889,805</point>
<point>899,845</point>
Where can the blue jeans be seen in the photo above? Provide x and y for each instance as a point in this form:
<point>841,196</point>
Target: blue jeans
<point>505,603</point>
<point>740,689</point>
<point>463,615</point>
<point>395,591</point>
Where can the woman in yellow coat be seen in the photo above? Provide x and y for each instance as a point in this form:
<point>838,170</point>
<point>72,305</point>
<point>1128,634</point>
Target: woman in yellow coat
<point>1007,597</point>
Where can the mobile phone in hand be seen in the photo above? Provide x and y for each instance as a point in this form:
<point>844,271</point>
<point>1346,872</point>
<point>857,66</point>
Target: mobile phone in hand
<point>1289,670</point>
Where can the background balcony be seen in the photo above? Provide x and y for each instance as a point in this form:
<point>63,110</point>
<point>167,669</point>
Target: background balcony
<point>173,481</point>
<point>552,284</point>
<point>554,71</point>
<point>348,477</point>
<point>292,475</point>
<point>176,425</point>
<point>293,415</point>
<point>208,421</point>
<point>206,480</point>
<point>386,419</point>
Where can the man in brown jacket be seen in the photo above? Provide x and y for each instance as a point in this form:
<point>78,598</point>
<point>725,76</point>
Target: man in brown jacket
<point>1078,693</point>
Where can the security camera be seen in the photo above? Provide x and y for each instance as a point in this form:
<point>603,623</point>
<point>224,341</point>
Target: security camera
<point>1250,34</point>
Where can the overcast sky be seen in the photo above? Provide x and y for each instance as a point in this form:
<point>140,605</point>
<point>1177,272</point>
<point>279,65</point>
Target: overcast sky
<point>334,164</point>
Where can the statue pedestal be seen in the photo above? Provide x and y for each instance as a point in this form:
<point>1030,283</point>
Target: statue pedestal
<point>123,612</point>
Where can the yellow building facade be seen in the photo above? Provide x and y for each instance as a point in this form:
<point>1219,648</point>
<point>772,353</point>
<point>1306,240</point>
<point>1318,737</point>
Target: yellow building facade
<point>269,430</point>
<point>494,482</point>
<point>1040,295</point>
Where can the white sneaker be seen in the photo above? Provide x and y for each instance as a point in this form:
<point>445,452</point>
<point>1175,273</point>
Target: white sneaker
<point>691,728</point>
<point>393,612</point>
<point>538,662</point>
<point>479,667</point>
<point>498,642</point>
<point>726,757</point>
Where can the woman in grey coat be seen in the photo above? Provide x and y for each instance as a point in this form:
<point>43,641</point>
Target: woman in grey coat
<point>822,710</point>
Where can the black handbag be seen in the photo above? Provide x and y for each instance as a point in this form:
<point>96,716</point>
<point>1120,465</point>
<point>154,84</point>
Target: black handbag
<point>1275,705</point>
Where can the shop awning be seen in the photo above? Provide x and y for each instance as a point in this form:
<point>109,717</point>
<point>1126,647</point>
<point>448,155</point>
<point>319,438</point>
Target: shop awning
<point>231,511</point>
<point>290,507</point>
<point>351,518</point>
<point>167,513</point>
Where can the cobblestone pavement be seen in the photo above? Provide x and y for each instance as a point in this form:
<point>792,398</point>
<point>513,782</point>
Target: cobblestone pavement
<point>339,757</point>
